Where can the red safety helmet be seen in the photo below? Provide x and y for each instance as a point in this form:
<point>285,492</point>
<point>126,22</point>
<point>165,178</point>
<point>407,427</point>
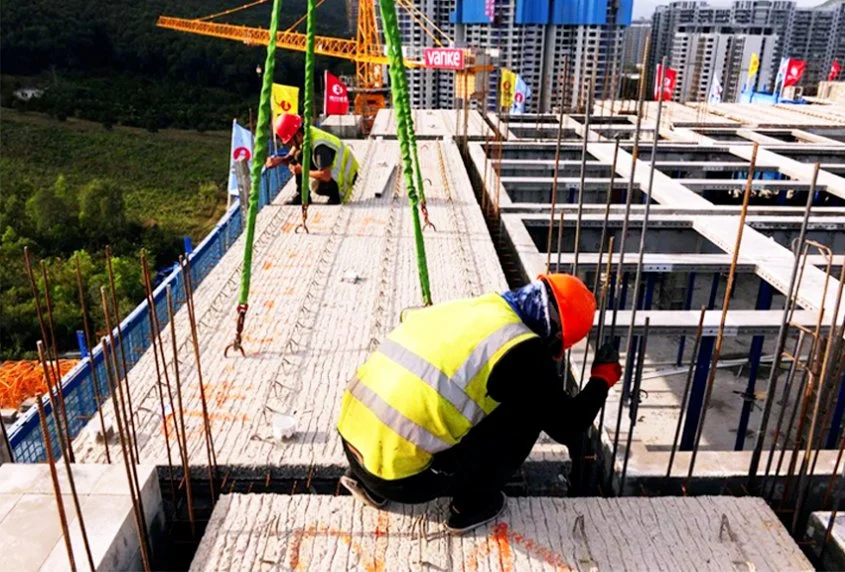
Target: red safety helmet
<point>576,307</point>
<point>286,126</point>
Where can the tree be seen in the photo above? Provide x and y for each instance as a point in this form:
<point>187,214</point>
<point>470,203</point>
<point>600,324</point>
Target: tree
<point>52,210</point>
<point>102,212</point>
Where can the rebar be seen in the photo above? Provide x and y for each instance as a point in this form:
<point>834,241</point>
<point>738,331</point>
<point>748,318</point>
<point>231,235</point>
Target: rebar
<point>185,265</point>
<point>809,373</point>
<point>118,397</point>
<point>67,445</point>
<point>605,288</point>
<point>599,262</point>
<point>186,467</point>
<point>555,176</point>
<point>635,402</point>
<point>70,479</point>
<point>86,331</point>
<point>583,174</point>
<point>717,349</point>
<point>687,384</point>
<point>635,153</point>
<point>589,334</point>
<point>113,292</point>
<point>155,341</point>
<point>805,471</point>
<point>788,308</point>
<point>131,476</point>
<point>57,491</point>
<point>630,341</point>
<point>36,297</point>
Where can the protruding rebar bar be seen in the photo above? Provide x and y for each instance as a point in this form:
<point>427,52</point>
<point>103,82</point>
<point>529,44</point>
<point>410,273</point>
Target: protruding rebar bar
<point>57,491</point>
<point>555,175</point>
<point>155,341</point>
<point>125,369</point>
<point>119,398</point>
<point>70,479</point>
<point>630,341</point>
<point>803,471</point>
<point>717,349</point>
<point>635,154</point>
<point>185,265</point>
<point>583,174</point>
<point>36,297</point>
<point>95,378</point>
<point>788,308</point>
<point>186,467</point>
<point>683,404</point>
<point>67,445</point>
<point>125,446</point>
<point>635,403</point>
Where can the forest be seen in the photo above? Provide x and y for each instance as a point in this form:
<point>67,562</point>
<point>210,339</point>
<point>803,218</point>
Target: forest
<point>127,147</point>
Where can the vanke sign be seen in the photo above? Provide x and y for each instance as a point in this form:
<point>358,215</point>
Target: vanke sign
<point>444,58</point>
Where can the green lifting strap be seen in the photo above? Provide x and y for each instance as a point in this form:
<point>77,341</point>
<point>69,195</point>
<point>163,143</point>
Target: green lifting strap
<point>262,129</point>
<point>309,106</point>
<point>401,102</point>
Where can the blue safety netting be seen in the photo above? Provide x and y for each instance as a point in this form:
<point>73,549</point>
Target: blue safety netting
<point>25,436</point>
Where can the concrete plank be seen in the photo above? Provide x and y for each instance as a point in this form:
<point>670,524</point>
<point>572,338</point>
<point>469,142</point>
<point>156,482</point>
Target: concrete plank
<point>307,330</point>
<point>337,533</point>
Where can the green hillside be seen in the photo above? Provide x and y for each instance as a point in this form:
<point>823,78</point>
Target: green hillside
<point>72,186</point>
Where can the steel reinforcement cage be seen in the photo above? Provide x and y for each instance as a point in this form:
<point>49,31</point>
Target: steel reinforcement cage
<point>25,436</point>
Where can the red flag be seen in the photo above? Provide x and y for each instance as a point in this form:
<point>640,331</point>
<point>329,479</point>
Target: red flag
<point>794,71</point>
<point>834,70</point>
<point>336,98</point>
<point>670,76</point>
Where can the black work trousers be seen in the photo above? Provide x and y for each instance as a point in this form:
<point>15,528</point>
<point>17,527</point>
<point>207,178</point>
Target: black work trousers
<point>471,471</point>
<point>325,189</point>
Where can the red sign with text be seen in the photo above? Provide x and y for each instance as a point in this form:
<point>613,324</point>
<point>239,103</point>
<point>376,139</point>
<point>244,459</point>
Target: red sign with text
<point>444,58</point>
<point>336,98</point>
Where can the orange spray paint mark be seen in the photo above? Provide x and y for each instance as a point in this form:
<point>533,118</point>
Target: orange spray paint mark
<point>500,535</point>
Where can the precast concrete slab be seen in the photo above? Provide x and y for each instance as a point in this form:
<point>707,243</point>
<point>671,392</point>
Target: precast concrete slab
<point>319,303</point>
<point>30,532</point>
<point>434,124</point>
<point>831,548</point>
<point>309,532</point>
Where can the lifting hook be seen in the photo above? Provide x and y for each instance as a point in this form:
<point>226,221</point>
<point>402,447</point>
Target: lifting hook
<point>242,308</point>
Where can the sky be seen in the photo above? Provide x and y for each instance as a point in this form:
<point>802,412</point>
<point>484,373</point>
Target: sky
<point>645,8</point>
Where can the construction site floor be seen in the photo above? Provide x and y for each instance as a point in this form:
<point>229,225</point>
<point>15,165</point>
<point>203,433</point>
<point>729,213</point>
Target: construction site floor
<point>319,303</point>
<point>311,532</point>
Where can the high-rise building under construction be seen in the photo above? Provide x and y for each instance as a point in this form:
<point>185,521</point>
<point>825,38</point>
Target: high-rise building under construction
<point>704,42</point>
<point>534,38</point>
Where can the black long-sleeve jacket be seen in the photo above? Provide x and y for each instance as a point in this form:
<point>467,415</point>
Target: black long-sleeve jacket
<point>527,375</point>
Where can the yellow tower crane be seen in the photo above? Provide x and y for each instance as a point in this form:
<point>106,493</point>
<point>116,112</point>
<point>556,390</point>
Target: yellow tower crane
<point>365,49</point>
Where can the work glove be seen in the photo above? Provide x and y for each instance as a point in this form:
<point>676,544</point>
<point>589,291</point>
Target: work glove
<point>606,365</point>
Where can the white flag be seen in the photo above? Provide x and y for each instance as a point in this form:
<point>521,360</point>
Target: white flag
<point>520,95</point>
<point>715,95</point>
<point>241,148</point>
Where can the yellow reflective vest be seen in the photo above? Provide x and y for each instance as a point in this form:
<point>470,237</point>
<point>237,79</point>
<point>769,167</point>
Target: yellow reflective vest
<point>425,386</point>
<point>345,166</point>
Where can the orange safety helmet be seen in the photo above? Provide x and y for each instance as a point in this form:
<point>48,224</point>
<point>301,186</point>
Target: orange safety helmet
<point>576,307</point>
<point>287,124</point>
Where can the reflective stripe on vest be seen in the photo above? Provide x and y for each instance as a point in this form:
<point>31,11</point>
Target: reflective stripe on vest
<point>344,167</point>
<point>426,385</point>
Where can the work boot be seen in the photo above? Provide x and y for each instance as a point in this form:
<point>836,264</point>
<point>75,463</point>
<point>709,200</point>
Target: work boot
<point>351,483</point>
<point>469,515</point>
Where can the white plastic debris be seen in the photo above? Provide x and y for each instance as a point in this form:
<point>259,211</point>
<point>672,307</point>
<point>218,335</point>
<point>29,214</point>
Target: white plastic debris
<point>284,426</point>
<point>350,276</point>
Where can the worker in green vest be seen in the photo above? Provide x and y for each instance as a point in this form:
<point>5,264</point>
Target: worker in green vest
<point>334,168</point>
<point>453,400</point>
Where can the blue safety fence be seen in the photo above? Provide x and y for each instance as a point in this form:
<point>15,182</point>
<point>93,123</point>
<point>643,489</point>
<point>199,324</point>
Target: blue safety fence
<point>25,436</point>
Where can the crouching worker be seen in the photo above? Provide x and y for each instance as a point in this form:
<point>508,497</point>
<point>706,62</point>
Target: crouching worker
<point>334,168</point>
<point>454,399</point>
